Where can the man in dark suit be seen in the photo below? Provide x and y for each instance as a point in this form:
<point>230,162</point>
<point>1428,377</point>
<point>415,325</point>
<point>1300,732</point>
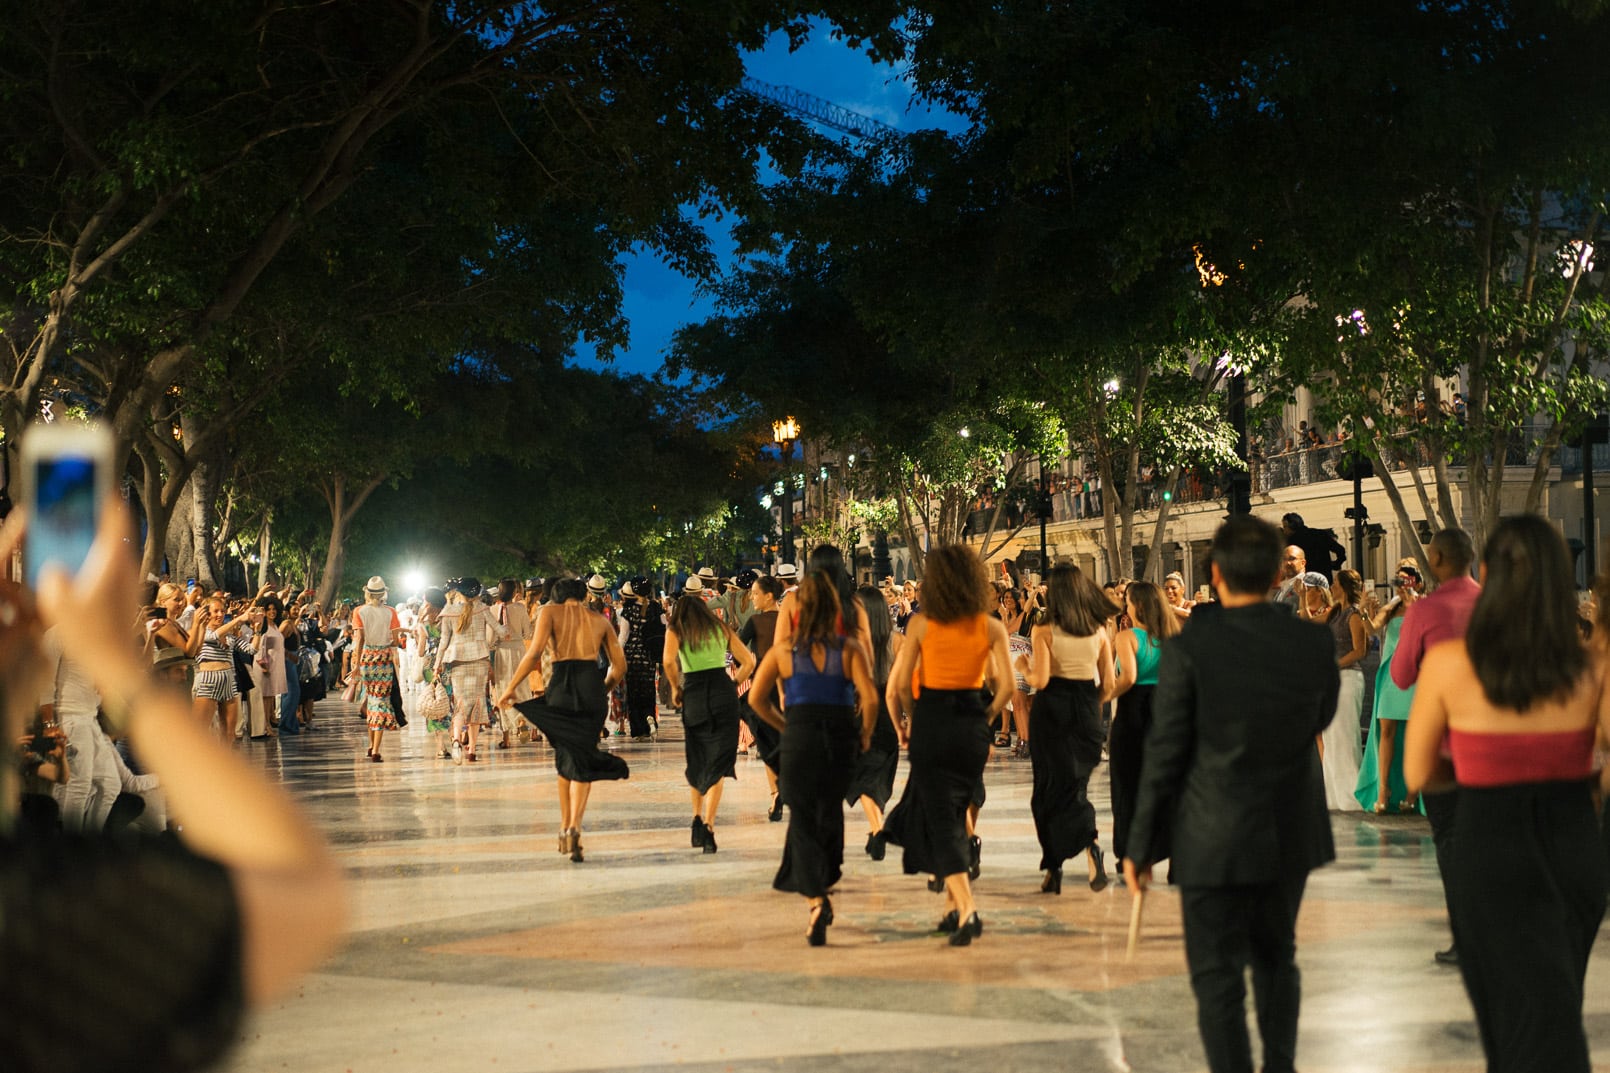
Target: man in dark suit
<point>1232,769</point>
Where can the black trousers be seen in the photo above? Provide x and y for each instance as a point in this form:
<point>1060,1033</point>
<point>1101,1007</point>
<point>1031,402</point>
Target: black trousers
<point>1441,809</point>
<point>1228,929</point>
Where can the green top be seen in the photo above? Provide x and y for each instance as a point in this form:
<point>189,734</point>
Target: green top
<point>704,657</point>
<point>1147,653</point>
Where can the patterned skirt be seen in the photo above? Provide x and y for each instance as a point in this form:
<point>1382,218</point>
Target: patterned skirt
<point>376,669</point>
<point>468,678</point>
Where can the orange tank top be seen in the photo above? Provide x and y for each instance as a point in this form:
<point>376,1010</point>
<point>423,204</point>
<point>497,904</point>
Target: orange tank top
<point>954,654</point>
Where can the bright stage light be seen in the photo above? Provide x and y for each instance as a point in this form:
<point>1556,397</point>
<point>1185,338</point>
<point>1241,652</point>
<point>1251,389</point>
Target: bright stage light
<point>413,581</point>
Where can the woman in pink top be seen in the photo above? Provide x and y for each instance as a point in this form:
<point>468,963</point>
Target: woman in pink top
<point>1519,702</point>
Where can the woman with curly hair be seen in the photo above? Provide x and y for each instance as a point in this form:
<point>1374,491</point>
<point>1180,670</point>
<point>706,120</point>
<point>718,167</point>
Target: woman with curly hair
<point>952,648</point>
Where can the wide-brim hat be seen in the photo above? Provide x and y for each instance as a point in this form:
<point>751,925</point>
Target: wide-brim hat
<point>376,584</point>
<point>786,571</point>
<point>706,573</point>
<point>597,585</point>
<point>628,589</point>
<point>693,585</point>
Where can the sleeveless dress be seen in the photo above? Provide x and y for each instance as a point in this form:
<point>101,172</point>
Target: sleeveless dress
<point>950,744</point>
<point>1066,731</point>
<point>709,713</point>
<point>817,757</point>
<point>1342,752</point>
<point>1528,892</point>
<point>1390,703</point>
<point>1127,751</point>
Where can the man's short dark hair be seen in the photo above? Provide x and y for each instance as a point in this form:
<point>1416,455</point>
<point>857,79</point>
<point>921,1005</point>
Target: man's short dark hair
<point>1247,553</point>
<point>1455,546</point>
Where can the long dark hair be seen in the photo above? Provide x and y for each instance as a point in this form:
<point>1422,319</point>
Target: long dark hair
<point>882,626</point>
<point>819,611</point>
<point>1152,612</point>
<point>1522,639</point>
<point>827,560</point>
<point>1075,604</point>
<point>693,622</point>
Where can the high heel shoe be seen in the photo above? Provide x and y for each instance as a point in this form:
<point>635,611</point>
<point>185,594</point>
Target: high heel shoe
<point>1380,808</point>
<point>975,853</point>
<point>1098,881</point>
<point>709,839</point>
<point>575,846</point>
<point>821,917</point>
<point>564,840</point>
<point>1052,883</point>
<point>876,846</point>
<point>967,931</point>
<point>775,813</point>
<point>698,832</point>
<point>948,923</point>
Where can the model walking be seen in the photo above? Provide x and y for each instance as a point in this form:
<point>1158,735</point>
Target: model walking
<point>1073,671</point>
<point>952,647</point>
<point>696,648</point>
<point>872,782</point>
<point>571,711</point>
<point>1139,650</point>
<point>822,675</point>
<point>375,629</point>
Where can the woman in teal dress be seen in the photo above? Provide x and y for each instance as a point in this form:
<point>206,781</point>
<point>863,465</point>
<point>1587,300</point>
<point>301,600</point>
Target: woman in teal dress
<point>1380,776</point>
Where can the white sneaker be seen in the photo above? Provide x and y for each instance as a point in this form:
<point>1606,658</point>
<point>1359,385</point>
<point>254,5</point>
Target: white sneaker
<point>458,752</point>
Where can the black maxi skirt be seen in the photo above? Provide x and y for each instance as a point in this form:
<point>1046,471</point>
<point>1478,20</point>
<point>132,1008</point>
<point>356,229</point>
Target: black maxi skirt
<point>1126,752</point>
<point>875,769</point>
<point>818,756</point>
<point>950,743</point>
<point>1527,897</point>
<point>1065,727</point>
<point>710,727</point>
<point>570,715</point>
<point>768,739</point>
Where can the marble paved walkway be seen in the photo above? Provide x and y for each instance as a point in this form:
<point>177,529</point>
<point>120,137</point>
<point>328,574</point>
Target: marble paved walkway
<point>476,947</point>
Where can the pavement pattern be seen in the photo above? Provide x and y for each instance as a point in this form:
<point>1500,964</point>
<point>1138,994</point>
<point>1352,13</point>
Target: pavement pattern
<point>475,946</point>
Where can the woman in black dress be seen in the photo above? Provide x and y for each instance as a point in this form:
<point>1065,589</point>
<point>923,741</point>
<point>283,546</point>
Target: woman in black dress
<point>872,783</point>
<point>822,676</point>
<point>1139,650</point>
<point>1519,702</point>
<point>1073,671</point>
<point>697,645</point>
<point>645,641</point>
<point>572,710</point>
<point>952,648</point>
<point>757,633</point>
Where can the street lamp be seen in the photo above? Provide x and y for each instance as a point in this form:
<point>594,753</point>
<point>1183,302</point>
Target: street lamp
<point>784,434</point>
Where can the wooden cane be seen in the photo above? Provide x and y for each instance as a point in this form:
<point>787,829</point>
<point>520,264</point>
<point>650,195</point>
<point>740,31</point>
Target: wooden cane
<point>1135,908</point>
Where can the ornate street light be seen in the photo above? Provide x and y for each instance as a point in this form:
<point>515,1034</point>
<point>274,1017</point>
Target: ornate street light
<point>784,434</point>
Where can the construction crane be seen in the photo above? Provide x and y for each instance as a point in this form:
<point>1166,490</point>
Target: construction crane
<point>824,112</point>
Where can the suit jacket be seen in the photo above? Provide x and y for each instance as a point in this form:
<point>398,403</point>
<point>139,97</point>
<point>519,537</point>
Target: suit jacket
<point>1231,762</point>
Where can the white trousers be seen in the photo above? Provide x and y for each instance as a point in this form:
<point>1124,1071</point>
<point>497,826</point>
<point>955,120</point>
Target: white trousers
<point>93,781</point>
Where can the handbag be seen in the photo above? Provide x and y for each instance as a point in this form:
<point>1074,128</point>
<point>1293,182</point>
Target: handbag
<point>434,704</point>
<point>349,695</point>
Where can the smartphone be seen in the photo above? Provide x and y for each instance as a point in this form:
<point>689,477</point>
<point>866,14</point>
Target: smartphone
<point>67,477</point>
<point>190,584</point>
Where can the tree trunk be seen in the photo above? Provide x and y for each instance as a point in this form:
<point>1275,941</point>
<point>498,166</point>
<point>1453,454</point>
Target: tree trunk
<point>342,511</point>
<point>1154,557</point>
<point>180,545</point>
<point>203,502</point>
<point>265,545</point>
<point>1399,508</point>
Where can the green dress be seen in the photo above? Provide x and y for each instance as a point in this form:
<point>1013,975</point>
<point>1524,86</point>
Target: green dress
<point>1390,703</point>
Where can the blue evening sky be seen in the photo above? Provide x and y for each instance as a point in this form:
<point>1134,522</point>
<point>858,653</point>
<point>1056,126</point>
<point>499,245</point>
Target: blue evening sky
<point>658,298</point>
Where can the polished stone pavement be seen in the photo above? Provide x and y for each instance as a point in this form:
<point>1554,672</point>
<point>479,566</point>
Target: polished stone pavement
<point>476,947</point>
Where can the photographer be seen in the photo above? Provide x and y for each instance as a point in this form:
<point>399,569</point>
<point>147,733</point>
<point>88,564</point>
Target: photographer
<point>41,759</point>
<point>165,942</point>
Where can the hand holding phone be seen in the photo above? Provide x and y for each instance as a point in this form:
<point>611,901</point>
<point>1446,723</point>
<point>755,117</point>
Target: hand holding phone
<point>67,475</point>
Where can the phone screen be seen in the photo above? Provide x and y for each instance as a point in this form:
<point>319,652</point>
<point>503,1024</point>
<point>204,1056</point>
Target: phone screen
<point>66,509</point>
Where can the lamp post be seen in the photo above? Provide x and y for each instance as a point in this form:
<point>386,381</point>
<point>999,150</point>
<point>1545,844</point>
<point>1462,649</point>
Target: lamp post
<point>784,434</point>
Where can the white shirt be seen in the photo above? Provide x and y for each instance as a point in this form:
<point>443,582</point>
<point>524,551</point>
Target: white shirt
<point>66,685</point>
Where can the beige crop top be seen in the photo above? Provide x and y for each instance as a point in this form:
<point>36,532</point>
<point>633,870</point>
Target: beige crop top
<point>1074,657</point>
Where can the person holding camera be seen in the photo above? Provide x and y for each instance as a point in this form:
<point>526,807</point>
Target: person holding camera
<point>185,935</point>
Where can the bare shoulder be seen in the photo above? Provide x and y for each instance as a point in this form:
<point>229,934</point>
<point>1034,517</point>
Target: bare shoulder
<point>1444,660</point>
<point>997,629</point>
